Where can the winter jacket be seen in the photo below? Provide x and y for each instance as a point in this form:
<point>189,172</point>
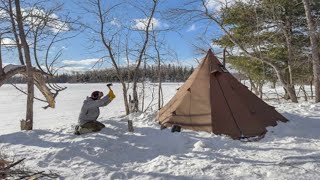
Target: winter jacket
<point>90,109</point>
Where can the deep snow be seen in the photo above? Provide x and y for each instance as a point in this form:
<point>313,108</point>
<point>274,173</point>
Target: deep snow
<point>288,151</point>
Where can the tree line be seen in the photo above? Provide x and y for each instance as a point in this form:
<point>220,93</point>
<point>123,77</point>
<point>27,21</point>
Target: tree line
<point>170,73</point>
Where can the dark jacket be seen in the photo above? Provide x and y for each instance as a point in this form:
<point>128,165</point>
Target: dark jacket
<point>90,109</point>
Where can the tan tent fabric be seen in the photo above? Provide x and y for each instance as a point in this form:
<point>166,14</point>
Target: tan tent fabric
<point>213,100</point>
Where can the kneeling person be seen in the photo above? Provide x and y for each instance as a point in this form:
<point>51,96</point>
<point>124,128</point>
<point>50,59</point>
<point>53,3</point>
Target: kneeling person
<point>90,112</point>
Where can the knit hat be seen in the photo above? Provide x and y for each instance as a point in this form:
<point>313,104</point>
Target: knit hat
<point>95,95</point>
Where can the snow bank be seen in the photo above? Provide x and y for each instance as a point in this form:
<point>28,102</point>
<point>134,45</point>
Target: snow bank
<point>288,151</point>
<point>11,67</point>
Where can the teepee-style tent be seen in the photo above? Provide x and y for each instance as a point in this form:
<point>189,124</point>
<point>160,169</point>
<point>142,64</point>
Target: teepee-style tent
<point>213,100</point>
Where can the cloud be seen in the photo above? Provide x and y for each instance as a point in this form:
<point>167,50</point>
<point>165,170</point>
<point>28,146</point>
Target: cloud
<point>84,62</point>
<point>35,17</point>
<point>216,5</point>
<point>3,14</point>
<point>73,69</point>
<point>115,22</point>
<point>141,24</point>
<point>8,42</point>
<point>191,28</point>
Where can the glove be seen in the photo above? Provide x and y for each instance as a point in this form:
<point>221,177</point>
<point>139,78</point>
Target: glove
<point>111,95</point>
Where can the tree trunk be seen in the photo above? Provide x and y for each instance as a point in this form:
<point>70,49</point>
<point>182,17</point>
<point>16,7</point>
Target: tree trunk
<point>289,89</point>
<point>287,33</point>
<point>143,83</point>
<point>315,48</point>
<point>253,87</point>
<point>141,54</point>
<point>159,88</point>
<point>131,115</point>
<point>304,93</point>
<point>289,85</point>
<point>160,97</point>
<point>286,95</point>
<point>125,97</point>
<point>292,93</point>
<point>14,31</point>
<point>1,68</point>
<point>135,95</point>
<point>274,84</point>
<point>311,86</point>
<point>260,87</point>
<point>28,123</point>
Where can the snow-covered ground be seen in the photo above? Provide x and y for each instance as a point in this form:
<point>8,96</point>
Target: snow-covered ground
<point>289,151</point>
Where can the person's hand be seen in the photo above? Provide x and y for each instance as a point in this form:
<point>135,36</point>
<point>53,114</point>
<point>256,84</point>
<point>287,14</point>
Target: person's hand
<point>111,95</point>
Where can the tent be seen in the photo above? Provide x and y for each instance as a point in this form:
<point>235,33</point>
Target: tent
<point>213,100</point>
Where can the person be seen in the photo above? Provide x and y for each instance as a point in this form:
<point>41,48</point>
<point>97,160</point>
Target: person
<point>87,121</point>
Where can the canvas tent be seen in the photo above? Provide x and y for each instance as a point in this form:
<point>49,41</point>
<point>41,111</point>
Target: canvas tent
<point>213,100</point>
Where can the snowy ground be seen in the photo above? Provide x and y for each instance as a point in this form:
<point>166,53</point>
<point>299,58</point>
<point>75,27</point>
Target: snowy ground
<point>289,151</point>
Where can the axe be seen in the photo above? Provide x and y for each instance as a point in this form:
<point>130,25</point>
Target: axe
<point>109,85</point>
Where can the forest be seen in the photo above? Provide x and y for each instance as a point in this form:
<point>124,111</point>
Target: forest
<point>170,73</point>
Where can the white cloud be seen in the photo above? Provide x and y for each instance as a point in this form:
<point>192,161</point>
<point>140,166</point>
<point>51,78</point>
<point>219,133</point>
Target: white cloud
<point>191,28</point>
<point>141,24</point>
<point>8,42</point>
<point>115,22</point>
<point>3,14</point>
<point>84,62</point>
<point>55,24</point>
<point>72,69</point>
<point>215,5</point>
<point>58,26</point>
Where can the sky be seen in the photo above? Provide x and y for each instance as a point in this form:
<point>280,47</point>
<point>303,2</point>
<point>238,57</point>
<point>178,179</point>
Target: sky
<point>80,53</point>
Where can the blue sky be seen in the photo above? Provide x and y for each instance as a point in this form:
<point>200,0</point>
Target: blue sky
<point>78,56</point>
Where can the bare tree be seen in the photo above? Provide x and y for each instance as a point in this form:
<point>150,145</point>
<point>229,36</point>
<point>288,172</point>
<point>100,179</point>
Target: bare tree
<point>109,38</point>
<point>1,63</point>
<point>15,32</point>
<point>141,51</point>
<point>158,61</point>
<point>22,30</point>
<point>26,124</point>
<point>314,41</point>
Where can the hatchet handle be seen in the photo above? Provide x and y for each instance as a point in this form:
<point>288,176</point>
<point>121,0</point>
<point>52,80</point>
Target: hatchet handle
<point>108,85</point>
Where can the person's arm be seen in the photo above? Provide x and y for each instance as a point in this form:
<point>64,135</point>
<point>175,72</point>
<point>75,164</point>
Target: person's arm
<point>102,102</point>
<point>111,95</point>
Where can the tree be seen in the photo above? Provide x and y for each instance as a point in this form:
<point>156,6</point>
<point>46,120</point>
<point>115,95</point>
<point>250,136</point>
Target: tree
<point>314,42</point>
<point>110,35</point>
<point>264,30</point>
<point>22,26</point>
<point>28,123</point>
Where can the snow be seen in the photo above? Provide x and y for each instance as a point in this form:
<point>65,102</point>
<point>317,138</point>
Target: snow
<point>288,151</point>
<point>11,67</point>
